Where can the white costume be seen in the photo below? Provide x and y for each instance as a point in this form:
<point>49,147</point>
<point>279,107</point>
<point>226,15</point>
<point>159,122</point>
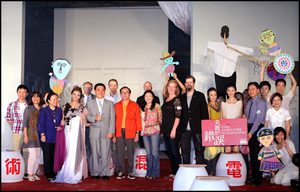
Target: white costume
<point>226,58</point>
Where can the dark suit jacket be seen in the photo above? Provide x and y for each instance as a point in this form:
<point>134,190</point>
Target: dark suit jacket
<point>197,111</point>
<point>141,99</point>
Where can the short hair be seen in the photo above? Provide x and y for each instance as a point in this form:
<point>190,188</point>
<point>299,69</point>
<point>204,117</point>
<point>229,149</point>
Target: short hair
<point>38,94</point>
<point>87,82</point>
<point>99,84</point>
<point>22,86</point>
<point>113,80</point>
<point>275,95</point>
<point>253,83</point>
<point>280,80</point>
<point>191,77</point>
<point>277,130</point>
<point>265,83</point>
<point>125,87</point>
<point>50,95</point>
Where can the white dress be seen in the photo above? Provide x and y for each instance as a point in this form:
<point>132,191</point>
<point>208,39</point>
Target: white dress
<point>67,173</point>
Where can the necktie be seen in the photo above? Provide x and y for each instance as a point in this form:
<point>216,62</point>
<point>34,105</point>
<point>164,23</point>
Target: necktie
<point>251,102</point>
<point>100,107</point>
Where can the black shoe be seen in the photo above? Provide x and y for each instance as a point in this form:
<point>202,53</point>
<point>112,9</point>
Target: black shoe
<point>96,177</point>
<point>105,178</point>
<point>25,176</point>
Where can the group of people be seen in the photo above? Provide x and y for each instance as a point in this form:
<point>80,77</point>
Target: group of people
<point>90,134</point>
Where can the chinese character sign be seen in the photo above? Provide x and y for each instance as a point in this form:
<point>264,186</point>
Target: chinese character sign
<point>141,162</point>
<point>224,132</point>
<point>234,169</point>
<point>12,166</point>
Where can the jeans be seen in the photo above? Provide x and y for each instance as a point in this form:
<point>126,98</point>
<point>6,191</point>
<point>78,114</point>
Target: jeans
<point>151,144</point>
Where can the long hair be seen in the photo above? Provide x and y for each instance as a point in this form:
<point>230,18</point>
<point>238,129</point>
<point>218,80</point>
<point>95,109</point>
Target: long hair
<point>177,92</point>
<point>144,102</point>
<point>38,94</point>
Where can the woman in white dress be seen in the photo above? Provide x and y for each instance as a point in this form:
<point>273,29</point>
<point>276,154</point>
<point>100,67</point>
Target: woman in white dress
<point>231,109</point>
<point>75,164</point>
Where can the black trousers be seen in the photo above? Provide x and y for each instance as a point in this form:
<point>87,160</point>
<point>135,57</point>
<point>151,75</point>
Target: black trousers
<point>172,147</point>
<point>254,150</point>
<point>48,155</point>
<point>222,82</point>
<point>185,141</point>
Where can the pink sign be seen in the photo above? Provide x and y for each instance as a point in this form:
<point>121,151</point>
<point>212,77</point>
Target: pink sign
<point>224,132</point>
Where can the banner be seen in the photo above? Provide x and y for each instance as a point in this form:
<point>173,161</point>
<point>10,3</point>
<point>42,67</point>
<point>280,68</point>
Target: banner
<point>224,132</point>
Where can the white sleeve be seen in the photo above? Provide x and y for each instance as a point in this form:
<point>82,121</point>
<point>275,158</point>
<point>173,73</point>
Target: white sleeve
<point>210,45</point>
<point>267,114</point>
<point>287,115</point>
<point>292,146</point>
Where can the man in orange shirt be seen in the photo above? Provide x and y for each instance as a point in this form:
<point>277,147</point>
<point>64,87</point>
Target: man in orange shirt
<point>128,125</point>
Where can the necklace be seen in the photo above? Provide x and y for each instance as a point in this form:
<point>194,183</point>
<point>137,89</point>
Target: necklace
<point>52,112</point>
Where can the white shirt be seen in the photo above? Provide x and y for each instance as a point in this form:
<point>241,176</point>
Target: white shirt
<point>100,104</point>
<point>22,107</point>
<point>115,98</point>
<point>226,58</point>
<point>277,118</point>
<point>232,110</point>
<point>286,159</point>
<point>86,99</point>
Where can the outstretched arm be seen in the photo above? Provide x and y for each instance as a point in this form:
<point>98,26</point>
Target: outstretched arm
<point>294,83</point>
<point>179,83</point>
<point>165,86</point>
<point>262,70</point>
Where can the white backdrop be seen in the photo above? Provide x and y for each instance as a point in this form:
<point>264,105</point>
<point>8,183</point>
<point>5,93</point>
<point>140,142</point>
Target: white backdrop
<point>120,43</point>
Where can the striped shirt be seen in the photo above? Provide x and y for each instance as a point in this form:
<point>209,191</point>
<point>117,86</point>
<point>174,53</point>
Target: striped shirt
<point>15,115</point>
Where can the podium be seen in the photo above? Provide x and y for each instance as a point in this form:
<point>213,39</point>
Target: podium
<point>12,166</point>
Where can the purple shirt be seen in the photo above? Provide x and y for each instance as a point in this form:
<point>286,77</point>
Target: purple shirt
<point>257,114</point>
<point>48,120</point>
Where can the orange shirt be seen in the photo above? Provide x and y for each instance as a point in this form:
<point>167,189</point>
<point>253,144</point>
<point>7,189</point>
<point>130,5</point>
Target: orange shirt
<point>132,117</point>
<point>125,103</point>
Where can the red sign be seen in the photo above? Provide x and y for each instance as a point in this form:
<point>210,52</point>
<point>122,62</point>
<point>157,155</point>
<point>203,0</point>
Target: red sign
<point>12,166</point>
<point>141,162</point>
<point>224,132</point>
<point>234,169</point>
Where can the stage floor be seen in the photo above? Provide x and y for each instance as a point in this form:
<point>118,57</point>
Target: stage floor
<point>139,184</point>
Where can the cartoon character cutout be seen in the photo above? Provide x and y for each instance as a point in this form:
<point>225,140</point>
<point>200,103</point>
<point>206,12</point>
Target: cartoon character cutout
<point>268,44</point>
<point>169,67</point>
<point>269,155</point>
<point>61,68</point>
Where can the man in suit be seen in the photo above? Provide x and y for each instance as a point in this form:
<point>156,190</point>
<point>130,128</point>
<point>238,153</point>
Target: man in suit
<point>87,96</point>
<point>140,100</point>
<point>194,109</point>
<point>101,115</point>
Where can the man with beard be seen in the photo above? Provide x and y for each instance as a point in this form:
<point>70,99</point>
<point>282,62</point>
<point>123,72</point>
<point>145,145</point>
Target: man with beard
<point>194,109</point>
